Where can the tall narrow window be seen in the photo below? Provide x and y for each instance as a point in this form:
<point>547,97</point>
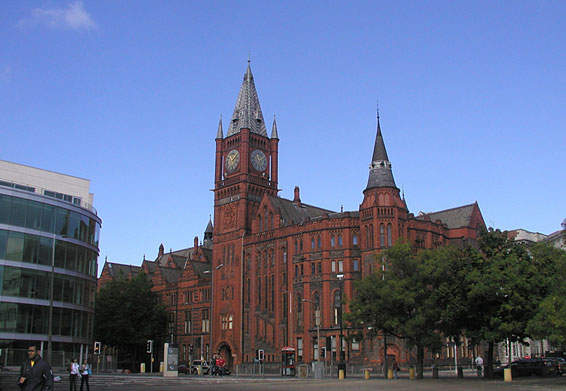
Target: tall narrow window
<point>260,222</point>
<point>205,321</point>
<point>381,236</point>
<point>332,241</point>
<point>319,242</point>
<point>299,349</point>
<point>299,310</point>
<point>188,322</point>
<point>355,240</point>
<point>371,233</point>
<point>312,243</point>
<point>339,240</point>
<point>389,239</point>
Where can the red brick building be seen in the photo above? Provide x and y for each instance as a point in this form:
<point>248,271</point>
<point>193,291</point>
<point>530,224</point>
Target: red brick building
<point>271,265</point>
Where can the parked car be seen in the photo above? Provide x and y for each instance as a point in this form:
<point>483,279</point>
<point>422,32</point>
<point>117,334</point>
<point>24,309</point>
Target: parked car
<point>182,368</point>
<point>532,366</point>
<point>196,363</point>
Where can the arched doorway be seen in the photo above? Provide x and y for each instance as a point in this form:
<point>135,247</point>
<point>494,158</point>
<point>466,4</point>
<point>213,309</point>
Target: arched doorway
<point>226,353</point>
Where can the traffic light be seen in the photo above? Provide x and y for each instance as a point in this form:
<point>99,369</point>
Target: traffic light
<point>323,352</point>
<point>191,349</point>
<point>261,354</point>
<point>96,347</point>
<point>149,346</point>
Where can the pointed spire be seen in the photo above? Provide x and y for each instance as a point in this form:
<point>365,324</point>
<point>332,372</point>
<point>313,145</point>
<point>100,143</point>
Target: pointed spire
<point>274,129</point>
<point>247,113</point>
<point>380,174</point>
<point>220,133</point>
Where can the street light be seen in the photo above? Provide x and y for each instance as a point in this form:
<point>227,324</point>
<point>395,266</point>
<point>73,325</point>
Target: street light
<point>317,321</point>
<point>341,278</point>
<point>211,317</point>
<point>50,325</point>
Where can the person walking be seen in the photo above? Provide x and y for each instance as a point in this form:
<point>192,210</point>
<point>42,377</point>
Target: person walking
<point>35,373</point>
<point>479,365</point>
<point>395,366</point>
<point>74,374</point>
<point>85,373</point>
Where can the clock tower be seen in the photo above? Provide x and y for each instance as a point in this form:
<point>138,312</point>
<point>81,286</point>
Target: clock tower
<point>246,169</point>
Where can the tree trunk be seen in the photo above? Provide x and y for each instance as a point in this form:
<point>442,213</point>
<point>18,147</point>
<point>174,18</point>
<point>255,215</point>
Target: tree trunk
<point>384,355</point>
<point>488,370</point>
<point>420,361</point>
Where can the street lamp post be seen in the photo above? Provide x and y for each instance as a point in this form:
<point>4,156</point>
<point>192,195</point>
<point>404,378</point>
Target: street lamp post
<point>341,279</point>
<point>317,321</point>
<point>211,317</point>
<point>51,290</point>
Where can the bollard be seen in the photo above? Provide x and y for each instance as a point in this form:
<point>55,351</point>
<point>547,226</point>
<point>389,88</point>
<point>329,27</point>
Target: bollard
<point>161,366</point>
<point>199,370</point>
<point>435,372</point>
<point>366,374</point>
<point>142,367</point>
<point>507,374</point>
<point>460,373</point>
<point>341,374</point>
<point>390,373</point>
<point>412,373</point>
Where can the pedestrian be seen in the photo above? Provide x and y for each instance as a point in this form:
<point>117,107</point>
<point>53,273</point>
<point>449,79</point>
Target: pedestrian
<point>35,373</point>
<point>479,364</point>
<point>213,367</point>
<point>85,373</point>
<point>220,363</point>
<point>74,374</point>
<point>395,367</point>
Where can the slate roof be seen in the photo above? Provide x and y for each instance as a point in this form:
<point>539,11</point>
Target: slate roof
<point>247,113</point>
<point>200,268</point>
<point>170,274</point>
<point>117,269</point>
<point>380,173</point>
<point>454,218</point>
<point>296,214</point>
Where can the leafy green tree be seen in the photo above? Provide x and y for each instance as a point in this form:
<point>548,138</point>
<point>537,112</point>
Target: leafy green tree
<point>128,313</point>
<point>550,319</point>
<point>417,296</point>
<point>506,284</point>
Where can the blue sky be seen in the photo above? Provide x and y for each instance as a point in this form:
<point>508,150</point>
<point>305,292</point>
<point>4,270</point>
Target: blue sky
<point>128,94</point>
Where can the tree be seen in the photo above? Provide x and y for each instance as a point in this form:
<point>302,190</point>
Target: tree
<point>128,313</point>
<point>550,319</point>
<point>505,286</point>
<point>417,296</point>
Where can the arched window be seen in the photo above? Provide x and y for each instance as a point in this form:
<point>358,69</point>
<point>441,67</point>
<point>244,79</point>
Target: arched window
<point>260,220</point>
<point>381,236</point>
<point>296,247</point>
<point>332,241</point>
<point>372,243</point>
<point>312,243</point>
<point>339,240</point>
<point>315,307</point>
<point>367,237</point>
<point>319,242</point>
<point>389,239</point>
<point>301,245</point>
<point>355,240</point>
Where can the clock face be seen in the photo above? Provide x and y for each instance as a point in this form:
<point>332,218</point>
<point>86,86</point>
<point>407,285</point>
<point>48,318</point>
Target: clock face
<point>232,160</point>
<point>259,162</point>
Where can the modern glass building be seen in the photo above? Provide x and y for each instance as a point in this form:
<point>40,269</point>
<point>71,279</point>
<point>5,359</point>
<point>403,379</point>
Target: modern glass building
<point>49,233</point>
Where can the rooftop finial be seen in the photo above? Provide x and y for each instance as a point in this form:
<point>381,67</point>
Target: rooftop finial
<point>249,56</point>
<point>377,109</point>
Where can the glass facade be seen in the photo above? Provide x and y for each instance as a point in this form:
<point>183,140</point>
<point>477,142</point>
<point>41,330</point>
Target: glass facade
<point>42,240</point>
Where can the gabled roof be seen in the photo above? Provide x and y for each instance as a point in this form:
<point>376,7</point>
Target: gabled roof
<point>454,218</point>
<point>200,268</point>
<point>293,213</point>
<point>247,113</point>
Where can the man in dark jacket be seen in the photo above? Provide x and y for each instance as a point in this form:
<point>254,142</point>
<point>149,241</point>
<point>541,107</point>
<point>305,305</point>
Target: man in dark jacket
<point>35,373</point>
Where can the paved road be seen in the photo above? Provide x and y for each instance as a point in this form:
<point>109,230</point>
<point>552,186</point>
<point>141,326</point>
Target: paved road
<point>231,383</point>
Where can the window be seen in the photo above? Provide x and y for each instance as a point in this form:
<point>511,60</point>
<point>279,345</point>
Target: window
<point>319,267</point>
<point>230,321</point>
<point>371,234</point>
<point>296,270</point>
<point>171,323</point>
<point>356,265</point>
<point>223,321</point>
<point>333,265</point>
<point>381,236</point>
<point>301,245</point>
<point>355,344</point>
<point>355,240</point>
<point>312,243</point>
<point>296,247</point>
<point>339,240</point>
<point>260,220</point>
<point>299,310</point>
<point>284,256</point>
<point>188,322</point>
<point>332,241</point>
<point>340,266</point>
<point>313,266</point>
<point>186,297</point>
<point>318,242</point>
<point>389,239</point>
<point>205,321</point>
<point>299,349</point>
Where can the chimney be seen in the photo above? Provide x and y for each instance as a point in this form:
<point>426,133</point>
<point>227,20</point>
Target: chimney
<point>161,250</point>
<point>196,242</point>
<point>297,199</point>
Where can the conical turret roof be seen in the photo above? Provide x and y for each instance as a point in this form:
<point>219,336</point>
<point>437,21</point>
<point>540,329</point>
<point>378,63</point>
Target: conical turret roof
<point>247,113</point>
<point>380,174</point>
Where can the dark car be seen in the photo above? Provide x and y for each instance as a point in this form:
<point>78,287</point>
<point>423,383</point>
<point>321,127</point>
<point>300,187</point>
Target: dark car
<point>532,366</point>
